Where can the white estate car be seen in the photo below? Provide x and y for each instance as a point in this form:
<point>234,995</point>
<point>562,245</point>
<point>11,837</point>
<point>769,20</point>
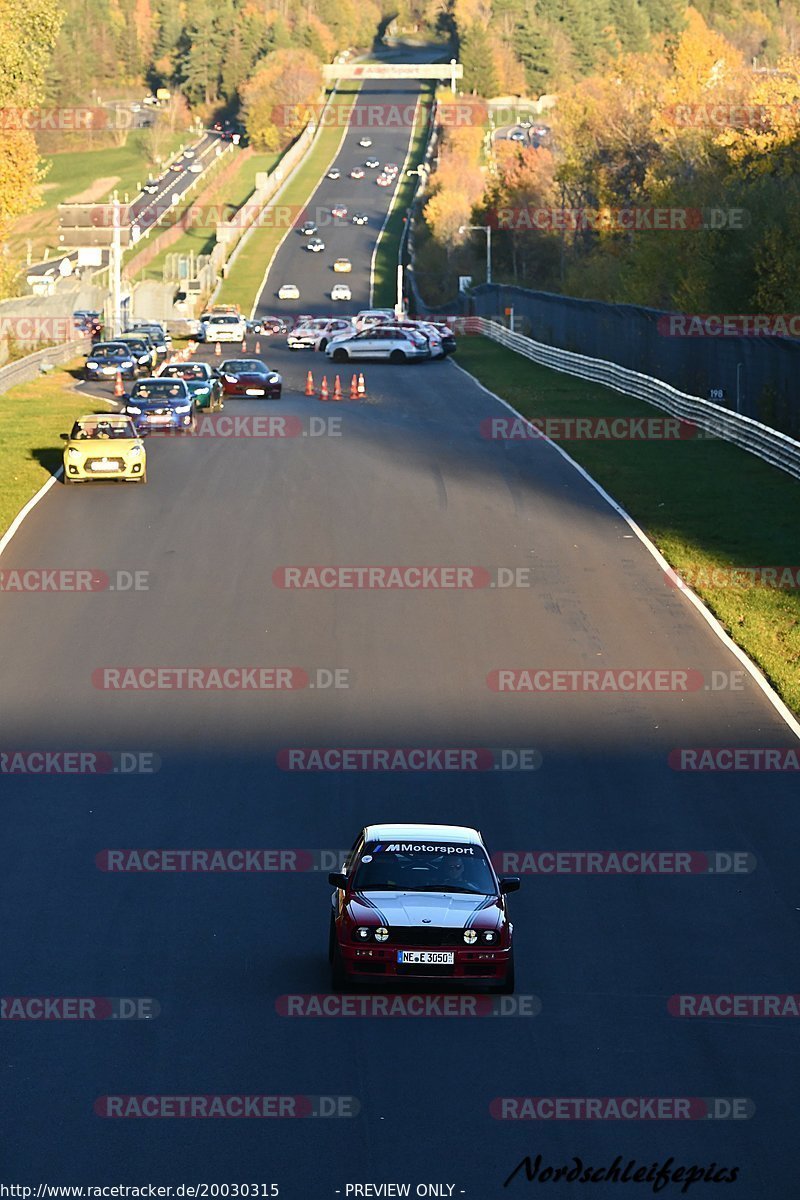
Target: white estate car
<point>378,341</point>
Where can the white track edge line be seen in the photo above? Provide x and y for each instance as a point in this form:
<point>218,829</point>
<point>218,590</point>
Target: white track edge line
<point>756,674</point>
<point>390,210</point>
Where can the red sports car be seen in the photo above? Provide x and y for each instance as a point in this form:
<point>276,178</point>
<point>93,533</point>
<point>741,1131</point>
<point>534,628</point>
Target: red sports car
<point>424,902</point>
<point>250,377</point>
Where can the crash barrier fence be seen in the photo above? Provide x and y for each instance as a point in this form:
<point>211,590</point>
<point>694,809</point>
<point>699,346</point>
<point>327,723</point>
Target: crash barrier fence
<point>773,447</point>
<point>23,370</point>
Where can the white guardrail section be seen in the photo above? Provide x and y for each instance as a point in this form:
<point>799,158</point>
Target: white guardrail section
<point>773,447</point>
<point>23,370</point>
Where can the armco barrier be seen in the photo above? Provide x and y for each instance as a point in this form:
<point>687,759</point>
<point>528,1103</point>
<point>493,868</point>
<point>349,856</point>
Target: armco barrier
<point>23,370</point>
<point>773,447</point>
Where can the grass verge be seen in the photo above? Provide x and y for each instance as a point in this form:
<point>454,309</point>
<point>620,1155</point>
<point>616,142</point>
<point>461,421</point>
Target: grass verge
<point>704,503</point>
<point>385,285</point>
<point>32,416</point>
<point>243,282</point>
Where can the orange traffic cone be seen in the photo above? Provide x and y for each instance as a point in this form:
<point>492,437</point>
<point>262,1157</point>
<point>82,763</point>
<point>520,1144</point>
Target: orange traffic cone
<point>337,388</point>
<point>309,384</point>
<point>323,391</point>
<point>218,349</point>
<point>119,390</point>
<point>244,345</point>
<point>362,389</point>
<point>353,388</point>
<point>258,347</point>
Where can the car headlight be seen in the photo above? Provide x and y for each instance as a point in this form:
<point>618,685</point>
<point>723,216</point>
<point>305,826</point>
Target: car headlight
<point>470,937</point>
<point>93,365</point>
<point>381,933</point>
<point>363,933</point>
<point>274,379</point>
<point>127,363</point>
<point>201,391</point>
<point>182,408</point>
<point>489,936</point>
<point>135,450</point>
<point>73,454</point>
<point>230,378</point>
<point>144,358</point>
<point>131,408</point>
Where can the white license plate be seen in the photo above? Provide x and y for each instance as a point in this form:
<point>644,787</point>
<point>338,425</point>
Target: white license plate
<point>104,466</point>
<point>157,420</point>
<point>442,958</point>
<point>108,370</point>
<point>254,392</point>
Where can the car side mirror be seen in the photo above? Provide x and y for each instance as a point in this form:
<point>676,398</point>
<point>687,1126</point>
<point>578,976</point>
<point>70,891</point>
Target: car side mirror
<point>64,437</point>
<point>337,879</point>
<point>509,883</point>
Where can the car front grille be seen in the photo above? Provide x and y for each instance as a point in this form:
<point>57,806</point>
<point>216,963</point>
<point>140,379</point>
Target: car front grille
<point>425,935</point>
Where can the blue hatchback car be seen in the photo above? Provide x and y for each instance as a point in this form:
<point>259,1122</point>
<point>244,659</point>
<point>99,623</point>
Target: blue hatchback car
<point>161,404</point>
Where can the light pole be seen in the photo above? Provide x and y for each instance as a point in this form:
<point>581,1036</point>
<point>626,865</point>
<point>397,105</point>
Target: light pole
<point>488,228</point>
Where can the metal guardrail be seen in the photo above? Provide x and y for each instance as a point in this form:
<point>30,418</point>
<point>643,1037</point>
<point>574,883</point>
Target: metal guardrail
<point>23,370</point>
<point>770,445</point>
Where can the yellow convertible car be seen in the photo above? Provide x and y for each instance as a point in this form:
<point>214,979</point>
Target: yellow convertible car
<point>104,446</point>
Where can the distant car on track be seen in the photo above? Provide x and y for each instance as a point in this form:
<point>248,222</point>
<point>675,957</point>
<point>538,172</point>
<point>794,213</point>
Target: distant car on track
<point>288,291</point>
<point>341,291</point>
<point>151,187</point>
<point>421,902</point>
<point>342,266</point>
<point>315,332</point>
<point>334,173</point>
<point>225,327</point>
<point>383,180</point>
<point>315,245</point>
<point>307,229</point>
<point>357,173</point>
<point>372,163</point>
<point>338,211</point>
<point>365,142</point>
<point>360,218</point>
<point>104,446</point>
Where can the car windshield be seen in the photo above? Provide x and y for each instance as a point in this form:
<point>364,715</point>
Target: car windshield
<point>108,351</point>
<point>159,389</point>
<point>238,365</point>
<point>454,867</point>
<point>225,320</point>
<point>101,427</point>
<point>187,371</point>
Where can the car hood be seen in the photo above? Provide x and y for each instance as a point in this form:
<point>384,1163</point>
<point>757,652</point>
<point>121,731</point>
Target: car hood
<point>447,910</point>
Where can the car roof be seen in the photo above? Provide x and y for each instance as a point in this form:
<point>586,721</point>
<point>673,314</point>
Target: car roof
<point>414,833</point>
